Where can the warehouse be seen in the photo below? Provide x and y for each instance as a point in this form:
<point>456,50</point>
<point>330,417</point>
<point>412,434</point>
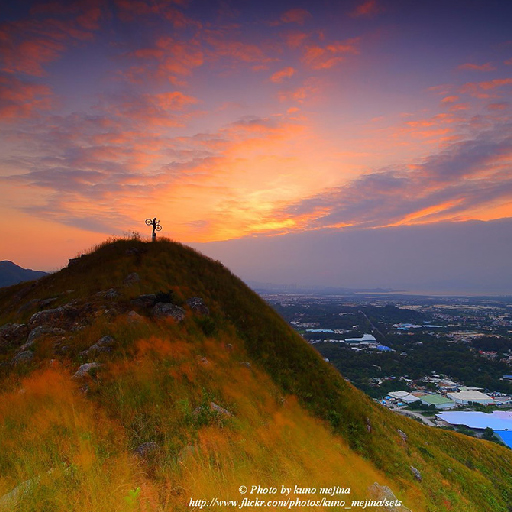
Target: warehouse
<point>466,397</point>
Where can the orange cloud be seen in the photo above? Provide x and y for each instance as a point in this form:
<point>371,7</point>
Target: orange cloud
<point>20,100</point>
<point>26,46</point>
<point>155,109</point>
<point>367,8</point>
<point>236,50</point>
<point>130,10</point>
<point>279,76</point>
<point>450,99</point>
<point>326,57</point>
<point>477,88</point>
<point>299,16</point>
<point>476,67</point>
<point>168,58</point>
<point>508,62</point>
<point>295,39</point>
<point>303,94</point>
<point>29,56</point>
<point>498,106</point>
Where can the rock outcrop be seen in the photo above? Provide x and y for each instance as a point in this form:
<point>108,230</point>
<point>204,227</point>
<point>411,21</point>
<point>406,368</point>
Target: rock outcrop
<point>166,309</point>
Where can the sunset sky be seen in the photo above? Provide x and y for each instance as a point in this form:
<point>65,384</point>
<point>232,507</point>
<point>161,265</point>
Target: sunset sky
<point>259,122</point>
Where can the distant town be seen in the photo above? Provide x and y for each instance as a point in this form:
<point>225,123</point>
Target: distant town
<point>446,362</point>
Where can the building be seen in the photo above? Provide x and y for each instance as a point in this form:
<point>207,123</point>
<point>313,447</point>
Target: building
<point>439,401</point>
<point>403,396</point>
<point>499,421</point>
<point>466,397</point>
<point>366,338</point>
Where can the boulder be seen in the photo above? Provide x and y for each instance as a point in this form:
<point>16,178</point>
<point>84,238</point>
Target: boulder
<point>197,305</point>
<point>416,474</point>
<point>62,314</point>
<point>104,344</point>
<point>85,369</point>
<point>384,493</point>
<point>219,409</point>
<point>166,309</point>
<point>42,330</point>
<point>133,316</point>
<point>23,357</point>
<point>110,294</point>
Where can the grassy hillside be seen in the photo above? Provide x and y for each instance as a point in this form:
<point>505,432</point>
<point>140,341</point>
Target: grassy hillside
<point>174,410</point>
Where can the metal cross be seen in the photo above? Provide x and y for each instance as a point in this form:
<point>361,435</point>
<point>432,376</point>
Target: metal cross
<point>156,226</point>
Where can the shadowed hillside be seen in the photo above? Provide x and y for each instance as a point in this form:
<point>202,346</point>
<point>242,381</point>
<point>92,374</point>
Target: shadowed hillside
<point>144,376</point>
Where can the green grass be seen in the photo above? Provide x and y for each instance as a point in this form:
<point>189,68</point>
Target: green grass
<point>291,410</point>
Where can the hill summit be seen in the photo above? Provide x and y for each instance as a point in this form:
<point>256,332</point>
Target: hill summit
<point>145,376</point>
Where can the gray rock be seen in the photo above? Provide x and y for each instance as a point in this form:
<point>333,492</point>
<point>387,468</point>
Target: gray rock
<point>416,474</point>
<point>11,500</point>
<point>403,435</point>
<point>197,305</point>
<point>166,309</point>
<point>133,316</point>
<point>219,409</point>
<point>368,425</point>
<point>245,363</point>
<point>42,330</point>
<point>85,369</point>
<point>383,492</point>
<point>213,407</point>
<point>144,301</point>
<point>26,346</point>
<point>110,294</point>
<point>23,357</point>
<point>66,313</point>
<point>104,344</point>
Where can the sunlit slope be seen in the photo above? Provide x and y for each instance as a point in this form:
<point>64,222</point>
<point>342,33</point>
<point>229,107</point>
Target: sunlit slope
<point>194,409</point>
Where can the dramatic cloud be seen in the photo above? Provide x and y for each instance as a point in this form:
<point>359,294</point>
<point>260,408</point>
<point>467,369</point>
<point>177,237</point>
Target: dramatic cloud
<point>318,57</point>
<point>449,186</point>
<point>230,119</point>
<point>21,100</point>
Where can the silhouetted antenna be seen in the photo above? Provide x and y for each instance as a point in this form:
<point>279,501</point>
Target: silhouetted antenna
<point>156,226</point>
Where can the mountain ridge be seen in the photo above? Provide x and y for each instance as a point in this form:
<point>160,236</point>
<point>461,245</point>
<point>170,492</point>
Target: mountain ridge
<point>10,273</point>
<point>220,388</point>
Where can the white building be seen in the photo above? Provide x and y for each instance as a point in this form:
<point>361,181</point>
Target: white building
<point>366,338</point>
<point>465,397</point>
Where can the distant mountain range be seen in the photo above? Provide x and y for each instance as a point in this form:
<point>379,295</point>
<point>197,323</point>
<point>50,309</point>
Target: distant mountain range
<point>10,274</point>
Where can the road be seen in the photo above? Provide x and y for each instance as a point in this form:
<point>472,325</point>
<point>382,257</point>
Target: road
<point>405,412</point>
